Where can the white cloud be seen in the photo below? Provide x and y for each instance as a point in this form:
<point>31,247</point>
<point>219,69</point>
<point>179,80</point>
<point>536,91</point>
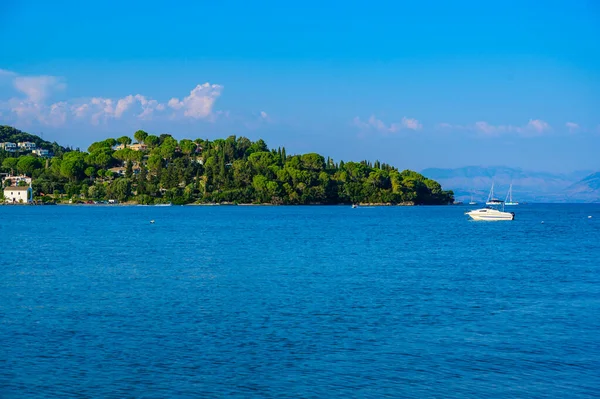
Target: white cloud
<point>572,126</point>
<point>199,103</point>
<point>175,103</point>
<point>538,125</point>
<point>38,88</point>
<point>123,104</point>
<point>79,111</point>
<point>377,124</point>
<point>102,109</point>
<point>58,113</point>
<point>147,106</point>
<point>28,112</point>
<point>412,124</point>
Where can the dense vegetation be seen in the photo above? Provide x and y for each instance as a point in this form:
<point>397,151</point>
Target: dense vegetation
<point>234,170</point>
<point>12,135</point>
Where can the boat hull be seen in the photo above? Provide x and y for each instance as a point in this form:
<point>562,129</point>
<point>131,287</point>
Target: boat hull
<point>490,215</point>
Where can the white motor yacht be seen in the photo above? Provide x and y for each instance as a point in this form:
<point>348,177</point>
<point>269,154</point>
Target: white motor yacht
<point>489,213</point>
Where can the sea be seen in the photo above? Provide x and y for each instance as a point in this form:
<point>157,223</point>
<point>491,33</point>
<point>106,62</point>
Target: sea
<point>298,302</point>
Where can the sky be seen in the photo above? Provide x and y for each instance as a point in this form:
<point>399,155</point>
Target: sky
<point>414,84</point>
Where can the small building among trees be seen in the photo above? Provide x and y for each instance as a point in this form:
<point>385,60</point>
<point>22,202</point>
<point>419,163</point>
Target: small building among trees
<point>18,195</point>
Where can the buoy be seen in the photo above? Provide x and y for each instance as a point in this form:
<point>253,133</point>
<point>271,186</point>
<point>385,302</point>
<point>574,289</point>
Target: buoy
<point>542,222</point>
<point>152,221</point>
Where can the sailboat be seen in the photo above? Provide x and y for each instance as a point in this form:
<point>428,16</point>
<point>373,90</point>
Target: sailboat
<point>472,202</point>
<point>491,200</point>
<point>509,200</point>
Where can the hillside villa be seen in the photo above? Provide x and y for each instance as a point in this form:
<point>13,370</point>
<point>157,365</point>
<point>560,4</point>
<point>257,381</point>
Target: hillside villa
<point>40,152</point>
<point>134,147</point>
<point>138,147</point>
<point>122,170</point>
<point>15,180</point>
<point>8,147</point>
<point>27,146</point>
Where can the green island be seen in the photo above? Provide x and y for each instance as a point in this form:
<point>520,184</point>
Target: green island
<point>160,169</point>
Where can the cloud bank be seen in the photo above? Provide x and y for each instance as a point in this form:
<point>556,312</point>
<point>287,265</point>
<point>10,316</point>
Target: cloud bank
<point>32,106</point>
<point>34,103</point>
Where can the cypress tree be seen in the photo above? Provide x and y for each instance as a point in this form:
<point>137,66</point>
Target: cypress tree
<point>142,180</point>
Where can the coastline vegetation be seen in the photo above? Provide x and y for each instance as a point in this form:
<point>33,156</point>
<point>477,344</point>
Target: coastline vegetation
<point>161,169</point>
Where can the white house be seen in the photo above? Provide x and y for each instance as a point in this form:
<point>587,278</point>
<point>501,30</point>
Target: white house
<point>42,153</point>
<point>18,195</point>
<point>27,146</point>
<point>119,170</point>
<point>9,147</point>
<point>15,180</point>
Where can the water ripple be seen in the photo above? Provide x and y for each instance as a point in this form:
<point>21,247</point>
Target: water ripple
<point>288,302</point>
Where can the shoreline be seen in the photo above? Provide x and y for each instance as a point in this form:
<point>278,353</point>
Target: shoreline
<point>215,204</point>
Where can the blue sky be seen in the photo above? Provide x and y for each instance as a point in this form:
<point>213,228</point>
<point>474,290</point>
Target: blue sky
<point>415,84</point>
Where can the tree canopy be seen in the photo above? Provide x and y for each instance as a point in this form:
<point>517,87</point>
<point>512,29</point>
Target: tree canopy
<point>232,170</point>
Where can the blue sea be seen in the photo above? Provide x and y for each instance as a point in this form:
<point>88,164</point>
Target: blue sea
<point>298,302</point>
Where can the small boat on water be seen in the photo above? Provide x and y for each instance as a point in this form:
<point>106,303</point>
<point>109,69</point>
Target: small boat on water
<point>472,202</point>
<point>354,206</point>
<point>491,200</point>
<point>509,200</point>
<point>490,214</point>
<point>167,204</point>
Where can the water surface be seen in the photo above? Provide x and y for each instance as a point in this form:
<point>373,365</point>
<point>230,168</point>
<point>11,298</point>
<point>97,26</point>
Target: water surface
<point>311,302</point>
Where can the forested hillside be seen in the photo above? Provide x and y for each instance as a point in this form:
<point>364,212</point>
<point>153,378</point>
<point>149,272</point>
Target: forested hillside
<point>159,169</point>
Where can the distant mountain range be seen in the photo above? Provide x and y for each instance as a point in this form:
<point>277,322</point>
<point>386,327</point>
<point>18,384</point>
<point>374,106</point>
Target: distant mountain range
<point>530,186</point>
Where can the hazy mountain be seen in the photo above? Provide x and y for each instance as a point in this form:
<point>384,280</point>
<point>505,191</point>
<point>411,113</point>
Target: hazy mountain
<point>587,189</point>
<point>534,186</point>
